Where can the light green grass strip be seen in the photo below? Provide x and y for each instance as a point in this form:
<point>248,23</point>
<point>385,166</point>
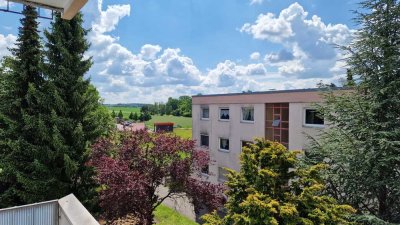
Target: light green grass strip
<point>167,216</point>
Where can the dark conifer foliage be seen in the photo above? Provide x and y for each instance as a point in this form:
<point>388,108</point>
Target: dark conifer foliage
<point>22,118</point>
<point>363,145</point>
<point>49,116</point>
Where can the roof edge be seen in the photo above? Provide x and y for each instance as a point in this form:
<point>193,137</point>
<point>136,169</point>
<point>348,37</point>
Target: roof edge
<point>274,92</point>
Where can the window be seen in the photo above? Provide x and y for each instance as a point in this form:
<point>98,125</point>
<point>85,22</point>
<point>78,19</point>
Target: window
<point>224,144</point>
<point>222,174</point>
<point>224,113</point>
<point>313,117</point>
<point>205,113</point>
<point>205,170</point>
<point>204,140</point>
<point>246,144</point>
<point>248,114</point>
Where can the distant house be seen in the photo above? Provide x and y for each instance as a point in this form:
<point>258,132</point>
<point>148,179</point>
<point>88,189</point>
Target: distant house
<point>164,127</point>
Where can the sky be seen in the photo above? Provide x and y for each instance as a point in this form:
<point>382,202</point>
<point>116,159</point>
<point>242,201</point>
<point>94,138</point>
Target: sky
<point>145,51</point>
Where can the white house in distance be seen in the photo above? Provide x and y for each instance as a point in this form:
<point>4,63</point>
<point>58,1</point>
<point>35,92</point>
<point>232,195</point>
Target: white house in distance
<point>223,123</point>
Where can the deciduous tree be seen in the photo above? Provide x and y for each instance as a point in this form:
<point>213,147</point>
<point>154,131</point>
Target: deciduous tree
<point>132,168</point>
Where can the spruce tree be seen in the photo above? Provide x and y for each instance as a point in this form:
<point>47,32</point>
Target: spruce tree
<point>362,145</point>
<point>120,115</point>
<point>24,133</point>
<point>80,118</point>
<point>113,115</point>
<point>131,116</point>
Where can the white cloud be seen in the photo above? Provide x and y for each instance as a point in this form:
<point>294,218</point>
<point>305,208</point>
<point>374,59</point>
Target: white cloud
<point>308,43</point>
<point>6,41</point>
<point>252,2</point>
<point>155,73</point>
<point>255,56</point>
<point>149,52</point>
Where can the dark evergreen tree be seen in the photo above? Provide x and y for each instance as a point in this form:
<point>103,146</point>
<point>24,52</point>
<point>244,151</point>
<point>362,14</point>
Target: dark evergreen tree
<point>131,116</point>
<point>363,145</point>
<point>135,116</point>
<point>113,114</point>
<point>80,118</point>
<point>120,115</point>
<point>24,134</point>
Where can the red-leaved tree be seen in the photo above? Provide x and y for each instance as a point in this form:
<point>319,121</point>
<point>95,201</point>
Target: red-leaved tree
<point>133,166</point>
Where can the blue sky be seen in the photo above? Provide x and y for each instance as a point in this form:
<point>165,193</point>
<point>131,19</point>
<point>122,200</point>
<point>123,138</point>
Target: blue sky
<point>148,50</point>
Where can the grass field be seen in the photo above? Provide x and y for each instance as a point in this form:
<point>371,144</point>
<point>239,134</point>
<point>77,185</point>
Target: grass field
<point>125,110</point>
<point>167,216</point>
<point>180,122</point>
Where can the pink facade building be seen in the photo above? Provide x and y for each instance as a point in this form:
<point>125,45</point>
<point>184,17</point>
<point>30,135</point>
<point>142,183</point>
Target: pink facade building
<point>226,122</point>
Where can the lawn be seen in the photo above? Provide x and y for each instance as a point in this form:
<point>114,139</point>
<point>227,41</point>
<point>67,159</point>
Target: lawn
<point>180,121</point>
<point>125,110</point>
<point>183,132</point>
<point>167,216</point>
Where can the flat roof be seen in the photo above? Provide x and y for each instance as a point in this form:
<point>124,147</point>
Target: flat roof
<point>308,95</point>
<point>271,92</point>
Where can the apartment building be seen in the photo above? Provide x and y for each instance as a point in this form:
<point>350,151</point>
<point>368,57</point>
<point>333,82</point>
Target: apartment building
<point>224,123</point>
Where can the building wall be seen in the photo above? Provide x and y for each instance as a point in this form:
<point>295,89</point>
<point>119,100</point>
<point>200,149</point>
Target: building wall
<point>234,130</point>
<point>237,131</point>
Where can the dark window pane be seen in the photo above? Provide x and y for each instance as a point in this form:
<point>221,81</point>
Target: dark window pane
<point>224,114</point>
<point>204,140</point>
<point>205,113</point>
<point>224,144</point>
<point>313,117</point>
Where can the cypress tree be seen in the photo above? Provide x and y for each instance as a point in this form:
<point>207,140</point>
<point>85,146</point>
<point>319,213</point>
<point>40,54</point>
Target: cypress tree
<point>23,130</point>
<point>80,117</point>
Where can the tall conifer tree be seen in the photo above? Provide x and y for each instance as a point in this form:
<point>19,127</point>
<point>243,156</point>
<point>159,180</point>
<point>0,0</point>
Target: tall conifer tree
<point>363,145</point>
<point>24,136</point>
<point>81,118</point>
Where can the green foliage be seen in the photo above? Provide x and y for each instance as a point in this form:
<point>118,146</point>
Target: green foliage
<point>271,189</point>
<point>131,116</point>
<point>22,123</point>
<point>120,115</point>
<point>50,114</point>
<point>166,216</point>
<point>113,114</point>
<point>135,117</point>
<point>362,146</point>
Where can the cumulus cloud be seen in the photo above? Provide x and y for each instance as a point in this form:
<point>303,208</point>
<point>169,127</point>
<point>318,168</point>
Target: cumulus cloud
<point>255,56</point>
<point>252,2</point>
<point>155,73</point>
<point>309,43</point>
<point>6,41</point>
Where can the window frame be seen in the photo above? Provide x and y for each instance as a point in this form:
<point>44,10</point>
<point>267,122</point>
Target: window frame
<point>305,124</point>
<point>219,113</point>
<point>241,114</point>
<point>201,113</point>
<point>202,134</point>
<point>219,145</point>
